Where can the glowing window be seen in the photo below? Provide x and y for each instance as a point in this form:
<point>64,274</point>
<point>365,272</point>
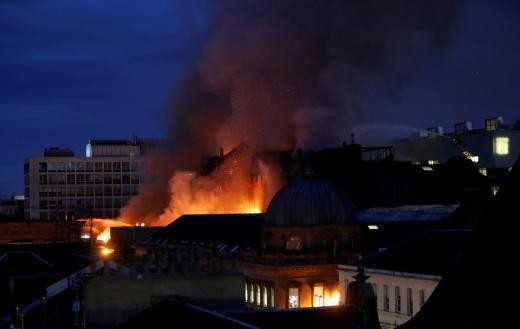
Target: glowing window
<point>293,243</point>
<point>494,189</point>
<point>294,297</point>
<point>272,297</point>
<point>251,294</point>
<point>264,296</point>
<point>246,295</point>
<point>501,146</point>
<point>317,300</point>
<point>483,171</point>
<point>257,295</point>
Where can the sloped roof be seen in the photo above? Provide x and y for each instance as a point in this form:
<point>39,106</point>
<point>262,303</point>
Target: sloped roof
<point>173,313</point>
<point>430,253</point>
<point>407,213</point>
<point>223,232</point>
<point>179,313</point>
<point>324,317</point>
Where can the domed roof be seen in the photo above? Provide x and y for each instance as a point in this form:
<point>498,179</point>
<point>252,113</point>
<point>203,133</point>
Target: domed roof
<point>310,202</point>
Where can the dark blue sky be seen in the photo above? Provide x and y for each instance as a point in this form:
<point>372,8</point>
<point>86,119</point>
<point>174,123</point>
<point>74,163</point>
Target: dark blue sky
<point>75,70</point>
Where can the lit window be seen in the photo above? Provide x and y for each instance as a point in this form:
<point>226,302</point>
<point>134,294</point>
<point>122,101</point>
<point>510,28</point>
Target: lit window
<point>317,300</point>
<point>246,295</point>
<point>483,171</point>
<point>272,297</point>
<point>474,158</point>
<point>501,146</point>
<point>433,162</point>
<point>409,301</point>
<point>251,294</point>
<point>264,296</point>
<point>257,295</point>
<point>373,227</point>
<point>294,297</point>
<point>494,189</point>
<point>293,243</point>
<point>397,300</point>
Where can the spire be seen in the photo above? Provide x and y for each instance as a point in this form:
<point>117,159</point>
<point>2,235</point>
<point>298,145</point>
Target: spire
<point>362,300</point>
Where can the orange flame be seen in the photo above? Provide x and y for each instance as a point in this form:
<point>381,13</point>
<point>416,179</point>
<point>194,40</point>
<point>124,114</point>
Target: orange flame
<point>232,188</point>
<point>101,228</point>
<point>104,236</point>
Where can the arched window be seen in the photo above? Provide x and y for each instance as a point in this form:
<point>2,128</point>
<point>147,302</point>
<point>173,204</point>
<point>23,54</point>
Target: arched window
<point>293,243</point>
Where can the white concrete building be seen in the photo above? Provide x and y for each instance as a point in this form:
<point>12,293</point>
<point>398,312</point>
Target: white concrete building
<point>61,186</point>
<point>400,295</point>
<point>405,275</point>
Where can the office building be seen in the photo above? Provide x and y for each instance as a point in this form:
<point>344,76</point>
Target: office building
<point>61,186</point>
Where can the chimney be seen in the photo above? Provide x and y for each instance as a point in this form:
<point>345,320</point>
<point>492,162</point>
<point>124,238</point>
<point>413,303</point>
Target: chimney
<point>435,131</point>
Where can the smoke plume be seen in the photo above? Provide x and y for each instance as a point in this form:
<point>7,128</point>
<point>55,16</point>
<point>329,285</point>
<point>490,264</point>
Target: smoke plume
<point>282,74</point>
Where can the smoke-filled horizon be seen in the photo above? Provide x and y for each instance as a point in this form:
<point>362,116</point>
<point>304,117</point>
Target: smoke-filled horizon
<point>282,75</point>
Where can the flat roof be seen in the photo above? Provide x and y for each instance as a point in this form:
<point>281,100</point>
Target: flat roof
<point>406,213</point>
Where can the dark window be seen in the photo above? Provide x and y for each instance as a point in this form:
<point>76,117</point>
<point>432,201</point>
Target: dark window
<point>397,300</point>
<point>491,124</point>
<point>42,167</point>
<point>409,301</point>
<point>386,298</point>
<point>107,166</point>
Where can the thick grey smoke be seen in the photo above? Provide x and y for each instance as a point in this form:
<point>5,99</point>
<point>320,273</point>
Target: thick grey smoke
<point>281,74</point>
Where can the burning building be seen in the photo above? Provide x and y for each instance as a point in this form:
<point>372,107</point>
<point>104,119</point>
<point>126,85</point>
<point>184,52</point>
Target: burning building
<point>279,75</point>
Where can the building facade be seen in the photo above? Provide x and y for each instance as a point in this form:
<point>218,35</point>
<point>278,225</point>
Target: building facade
<point>496,145</point>
<point>310,226</point>
<point>400,295</point>
<point>61,186</point>
<point>406,274</point>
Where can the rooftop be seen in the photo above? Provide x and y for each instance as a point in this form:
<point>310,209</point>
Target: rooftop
<point>110,142</point>
<point>224,232</point>
<point>430,253</point>
<point>407,213</point>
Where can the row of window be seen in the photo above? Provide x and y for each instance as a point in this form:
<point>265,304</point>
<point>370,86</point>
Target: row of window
<point>71,179</point>
<point>398,299</point>
<point>81,204</point>
<point>90,166</point>
<point>64,215</point>
<point>260,294</point>
<point>89,191</point>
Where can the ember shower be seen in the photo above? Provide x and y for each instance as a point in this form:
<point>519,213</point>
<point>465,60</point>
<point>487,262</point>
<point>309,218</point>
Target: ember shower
<point>278,75</point>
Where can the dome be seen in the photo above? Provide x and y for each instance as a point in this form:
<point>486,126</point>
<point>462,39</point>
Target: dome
<point>310,202</point>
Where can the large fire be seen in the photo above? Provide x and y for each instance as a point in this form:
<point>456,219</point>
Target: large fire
<point>100,228</point>
<point>235,186</point>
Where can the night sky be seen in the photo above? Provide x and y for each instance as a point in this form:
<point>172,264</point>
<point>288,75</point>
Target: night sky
<point>75,70</point>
